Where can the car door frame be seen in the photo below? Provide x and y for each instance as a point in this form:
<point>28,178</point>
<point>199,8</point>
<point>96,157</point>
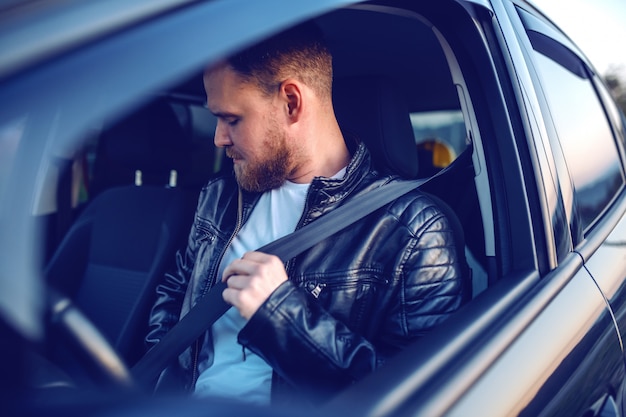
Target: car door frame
<point>478,371</point>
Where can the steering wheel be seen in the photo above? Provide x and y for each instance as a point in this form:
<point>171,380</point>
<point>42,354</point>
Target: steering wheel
<point>102,363</point>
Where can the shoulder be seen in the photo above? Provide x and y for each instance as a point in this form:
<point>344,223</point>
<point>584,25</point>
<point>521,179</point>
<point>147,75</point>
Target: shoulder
<point>219,185</point>
<point>218,192</point>
<point>417,210</point>
<point>225,180</point>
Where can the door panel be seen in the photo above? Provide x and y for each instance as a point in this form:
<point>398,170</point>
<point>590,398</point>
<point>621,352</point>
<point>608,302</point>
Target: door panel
<point>552,368</point>
<point>607,265</point>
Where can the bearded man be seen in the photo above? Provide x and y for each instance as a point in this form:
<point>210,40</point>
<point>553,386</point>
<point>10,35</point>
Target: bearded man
<point>328,317</point>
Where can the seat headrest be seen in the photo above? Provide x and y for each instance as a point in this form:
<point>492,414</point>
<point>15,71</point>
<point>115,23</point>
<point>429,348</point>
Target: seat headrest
<point>151,140</point>
<point>144,138</point>
<point>376,111</point>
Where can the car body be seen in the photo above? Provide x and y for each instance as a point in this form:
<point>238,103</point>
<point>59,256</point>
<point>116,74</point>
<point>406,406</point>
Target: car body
<point>543,206</point>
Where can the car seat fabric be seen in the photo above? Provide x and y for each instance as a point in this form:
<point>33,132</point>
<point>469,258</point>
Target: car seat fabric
<point>118,249</point>
<point>115,254</point>
<point>374,110</point>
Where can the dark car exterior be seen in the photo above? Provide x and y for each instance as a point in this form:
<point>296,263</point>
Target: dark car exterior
<point>537,184</point>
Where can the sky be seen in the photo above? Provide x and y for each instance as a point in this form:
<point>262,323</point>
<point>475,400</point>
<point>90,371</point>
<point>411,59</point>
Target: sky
<point>598,27</point>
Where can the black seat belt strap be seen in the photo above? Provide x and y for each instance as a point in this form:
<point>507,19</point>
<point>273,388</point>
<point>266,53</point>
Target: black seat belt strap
<point>211,306</point>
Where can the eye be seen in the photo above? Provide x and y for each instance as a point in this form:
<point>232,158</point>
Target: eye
<point>232,121</point>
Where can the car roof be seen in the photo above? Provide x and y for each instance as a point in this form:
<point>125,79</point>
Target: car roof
<point>398,49</point>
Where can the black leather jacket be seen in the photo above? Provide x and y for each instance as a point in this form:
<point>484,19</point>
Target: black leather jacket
<point>350,302</point>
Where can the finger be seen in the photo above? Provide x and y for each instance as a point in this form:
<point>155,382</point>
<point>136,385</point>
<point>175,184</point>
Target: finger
<point>237,267</point>
<point>238,282</point>
<point>260,257</point>
<point>240,301</point>
<point>231,296</point>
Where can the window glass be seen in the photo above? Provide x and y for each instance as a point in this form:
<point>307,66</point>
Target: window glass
<point>10,135</point>
<point>613,110</point>
<point>585,135</point>
<point>439,137</point>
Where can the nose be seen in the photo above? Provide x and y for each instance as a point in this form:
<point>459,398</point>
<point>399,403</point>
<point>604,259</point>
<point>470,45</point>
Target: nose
<point>221,138</point>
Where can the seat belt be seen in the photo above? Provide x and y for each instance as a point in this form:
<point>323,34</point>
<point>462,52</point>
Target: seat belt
<point>211,306</point>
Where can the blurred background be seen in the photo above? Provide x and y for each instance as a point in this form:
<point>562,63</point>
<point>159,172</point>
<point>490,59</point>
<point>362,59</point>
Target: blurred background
<point>598,27</point>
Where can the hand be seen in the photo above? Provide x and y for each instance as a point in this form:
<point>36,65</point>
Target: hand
<point>251,280</point>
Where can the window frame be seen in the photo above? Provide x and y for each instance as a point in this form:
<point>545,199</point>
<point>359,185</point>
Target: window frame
<point>572,59</point>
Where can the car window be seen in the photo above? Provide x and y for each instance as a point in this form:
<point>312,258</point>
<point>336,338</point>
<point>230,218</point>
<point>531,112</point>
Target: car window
<point>615,114</point>
<point>439,136</point>
<point>583,130</point>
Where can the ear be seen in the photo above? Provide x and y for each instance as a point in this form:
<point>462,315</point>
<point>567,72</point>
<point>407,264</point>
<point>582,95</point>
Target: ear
<point>291,92</point>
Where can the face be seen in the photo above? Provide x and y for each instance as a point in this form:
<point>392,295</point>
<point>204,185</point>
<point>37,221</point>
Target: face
<point>248,128</point>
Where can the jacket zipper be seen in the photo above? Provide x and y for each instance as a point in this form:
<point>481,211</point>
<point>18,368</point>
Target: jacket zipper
<point>211,281</point>
<point>290,265</point>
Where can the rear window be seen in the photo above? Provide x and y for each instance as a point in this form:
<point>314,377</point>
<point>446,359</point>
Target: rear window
<point>439,137</point>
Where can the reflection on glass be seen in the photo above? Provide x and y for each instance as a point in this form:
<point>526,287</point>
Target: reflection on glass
<point>585,136</point>
<point>10,135</point>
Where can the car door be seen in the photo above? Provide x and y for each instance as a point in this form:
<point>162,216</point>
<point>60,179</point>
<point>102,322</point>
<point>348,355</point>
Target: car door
<point>542,339</point>
<point>589,133</point>
<point>583,166</point>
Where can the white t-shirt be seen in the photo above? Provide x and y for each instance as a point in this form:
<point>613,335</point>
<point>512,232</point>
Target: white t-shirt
<point>234,374</point>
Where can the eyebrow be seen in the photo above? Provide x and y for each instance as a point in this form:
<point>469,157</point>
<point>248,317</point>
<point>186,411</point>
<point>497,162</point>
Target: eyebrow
<point>222,114</point>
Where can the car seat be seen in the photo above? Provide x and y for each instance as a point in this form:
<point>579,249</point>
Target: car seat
<point>152,146</point>
<point>117,250</point>
<point>374,110</point>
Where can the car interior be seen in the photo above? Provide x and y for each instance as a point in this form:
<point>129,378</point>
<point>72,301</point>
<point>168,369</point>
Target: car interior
<point>126,199</point>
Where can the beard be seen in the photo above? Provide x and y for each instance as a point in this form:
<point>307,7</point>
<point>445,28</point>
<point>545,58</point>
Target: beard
<point>269,170</point>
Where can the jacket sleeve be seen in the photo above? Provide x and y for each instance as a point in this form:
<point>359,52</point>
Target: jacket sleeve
<point>319,355</point>
<point>170,293</point>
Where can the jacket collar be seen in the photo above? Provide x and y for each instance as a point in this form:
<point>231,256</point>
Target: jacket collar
<point>325,193</point>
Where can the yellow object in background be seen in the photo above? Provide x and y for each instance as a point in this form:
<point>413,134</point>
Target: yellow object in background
<point>442,154</point>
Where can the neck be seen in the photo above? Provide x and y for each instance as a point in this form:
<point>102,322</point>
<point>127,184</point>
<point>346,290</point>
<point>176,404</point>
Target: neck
<point>319,146</point>
<point>324,157</point>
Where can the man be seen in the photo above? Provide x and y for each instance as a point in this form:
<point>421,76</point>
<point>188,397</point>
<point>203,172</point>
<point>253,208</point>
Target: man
<point>336,312</point>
